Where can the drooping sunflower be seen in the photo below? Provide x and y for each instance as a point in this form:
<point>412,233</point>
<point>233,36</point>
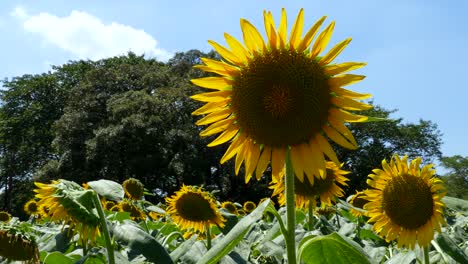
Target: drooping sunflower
<point>279,94</point>
<point>327,189</point>
<point>18,246</point>
<point>135,212</point>
<point>249,206</point>
<point>358,200</point>
<point>191,207</point>
<point>231,207</point>
<point>405,202</point>
<point>68,202</point>
<point>133,188</point>
<point>31,207</point>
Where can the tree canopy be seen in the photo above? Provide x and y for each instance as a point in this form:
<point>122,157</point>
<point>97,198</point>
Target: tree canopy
<point>130,116</point>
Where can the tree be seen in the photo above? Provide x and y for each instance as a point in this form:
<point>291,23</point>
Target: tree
<point>456,179</point>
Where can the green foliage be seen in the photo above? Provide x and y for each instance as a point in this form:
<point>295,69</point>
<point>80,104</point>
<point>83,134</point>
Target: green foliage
<point>456,179</point>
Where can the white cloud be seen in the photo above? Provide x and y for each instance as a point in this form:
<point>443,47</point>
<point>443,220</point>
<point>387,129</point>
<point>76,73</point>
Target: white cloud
<point>87,37</point>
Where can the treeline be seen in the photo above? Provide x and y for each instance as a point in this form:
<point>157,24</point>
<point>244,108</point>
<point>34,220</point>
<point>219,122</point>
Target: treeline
<point>130,116</point>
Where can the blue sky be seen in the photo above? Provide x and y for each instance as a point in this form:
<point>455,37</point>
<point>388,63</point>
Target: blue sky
<point>415,50</point>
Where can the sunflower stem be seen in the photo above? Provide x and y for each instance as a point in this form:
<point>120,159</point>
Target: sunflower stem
<point>311,214</point>
<point>426,255</point>
<point>208,237</point>
<point>290,211</point>
<point>105,229</point>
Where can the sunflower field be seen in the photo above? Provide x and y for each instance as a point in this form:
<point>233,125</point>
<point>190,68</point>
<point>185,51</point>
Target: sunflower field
<point>279,105</point>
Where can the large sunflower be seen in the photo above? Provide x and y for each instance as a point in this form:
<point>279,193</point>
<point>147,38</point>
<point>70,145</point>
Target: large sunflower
<point>405,202</point>
<point>278,94</point>
<point>191,207</point>
<point>326,189</point>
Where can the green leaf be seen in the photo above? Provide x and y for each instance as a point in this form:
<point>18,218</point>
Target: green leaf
<point>402,258</point>
<point>183,248</point>
<point>330,249</point>
<point>227,243</point>
<point>368,234</point>
<point>108,189</point>
<point>376,119</point>
<point>140,242</point>
<point>57,258</point>
<point>456,204</point>
<point>450,248</point>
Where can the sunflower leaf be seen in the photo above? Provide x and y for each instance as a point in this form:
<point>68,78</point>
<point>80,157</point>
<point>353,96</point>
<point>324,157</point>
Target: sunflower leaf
<point>332,248</point>
<point>237,233</point>
<point>108,189</point>
<point>450,248</point>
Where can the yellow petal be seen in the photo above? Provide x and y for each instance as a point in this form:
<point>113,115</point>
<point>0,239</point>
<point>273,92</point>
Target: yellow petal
<point>241,155</point>
<point>225,53</point>
<point>229,133</point>
<point>346,116</point>
<point>236,47</point>
<point>345,79</point>
<point>344,131</point>
<point>217,127</point>
<point>277,160</point>
<point>296,31</point>
<point>350,94</point>
<point>335,51</point>
<point>233,148</point>
<point>212,96</point>
<point>251,161</point>
<point>349,104</point>
<point>338,138</point>
<point>283,29</point>
<point>335,69</point>
<point>214,117</point>
<point>263,162</point>
<point>297,159</point>
<point>252,38</point>
<point>322,40</point>
<point>211,107</point>
<point>319,169</point>
<point>325,147</point>
<point>270,28</point>
<point>309,36</point>
<point>217,83</point>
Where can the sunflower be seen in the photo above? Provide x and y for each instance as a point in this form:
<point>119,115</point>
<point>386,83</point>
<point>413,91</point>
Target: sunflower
<point>18,246</point>
<point>279,94</point>
<point>67,202</point>
<point>135,212</point>
<point>405,202</point>
<point>249,206</point>
<point>133,188</point>
<point>358,200</point>
<point>191,207</point>
<point>108,205</point>
<point>326,189</point>
<point>5,217</point>
<point>231,207</point>
<point>31,207</point>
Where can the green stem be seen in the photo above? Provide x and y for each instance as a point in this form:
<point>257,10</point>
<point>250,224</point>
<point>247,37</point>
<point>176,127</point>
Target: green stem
<point>208,237</point>
<point>426,255</point>
<point>85,249</point>
<point>311,213</point>
<point>105,230</point>
<point>290,211</point>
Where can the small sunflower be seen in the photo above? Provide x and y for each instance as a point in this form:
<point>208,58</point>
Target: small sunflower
<point>191,207</point>
<point>108,205</point>
<point>135,212</point>
<point>325,211</point>
<point>5,217</point>
<point>280,94</point>
<point>17,246</point>
<point>231,207</point>
<point>326,189</point>
<point>133,188</point>
<point>249,206</point>
<point>155,216</point>
<point>31,207</point>
<point>358,200</point>
<point>405,202</point>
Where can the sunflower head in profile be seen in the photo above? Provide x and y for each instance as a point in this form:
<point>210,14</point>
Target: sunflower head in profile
<point>231,207</point>
<point>191,207</point>
<point>133,188</point>
<point>327,189</point>
<point>358,200</point>
<point>277,94</point>
<point>5,217</point>
<point>405,202</point>
<point>249,206</point>
<point>31,207</point>
<point>18,246</point>
<point>136,213</point>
